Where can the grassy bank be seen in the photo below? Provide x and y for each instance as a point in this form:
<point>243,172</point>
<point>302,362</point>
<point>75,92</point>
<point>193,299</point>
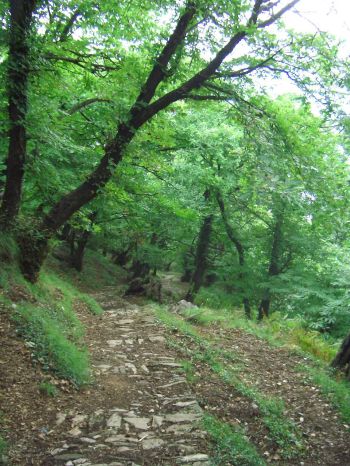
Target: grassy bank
<point>45,315</point>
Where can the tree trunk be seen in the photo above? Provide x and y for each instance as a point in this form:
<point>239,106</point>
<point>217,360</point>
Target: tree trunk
<point>77,255</point>
<point>274,266</point>
<point>201,257</point>
<point>239,247</point>
<point>21,12</point>
<point>342,359</point>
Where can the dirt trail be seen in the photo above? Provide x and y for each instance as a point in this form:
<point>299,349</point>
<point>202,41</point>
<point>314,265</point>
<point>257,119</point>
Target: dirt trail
<point>140,410</point>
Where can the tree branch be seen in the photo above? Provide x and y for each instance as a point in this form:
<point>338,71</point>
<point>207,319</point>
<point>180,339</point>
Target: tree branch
<point>278,15</point>
<point>67,28</point>
<point>86,103</point>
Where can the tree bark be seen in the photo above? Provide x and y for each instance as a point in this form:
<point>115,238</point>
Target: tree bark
<point>342,359</point>
<point>274,266</point>
<point>201,256</point>
<point>239,247</point>
<point>77,256</point>
<point>21,13</point>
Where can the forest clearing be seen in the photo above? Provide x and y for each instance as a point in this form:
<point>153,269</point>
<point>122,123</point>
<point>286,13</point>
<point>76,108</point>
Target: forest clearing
<point>174,247</point>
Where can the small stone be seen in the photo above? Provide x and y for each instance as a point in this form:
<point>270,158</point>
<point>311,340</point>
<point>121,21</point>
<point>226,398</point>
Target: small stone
<point>75,432</point>
<point>79,420</point>
<point>104,367</point>
<point>114,343</point>
<point>60,418</point>
<point>57,451</point>
<point>123,449</point>
<point>68,456</point>
<point>87,440</point>
<point>131,366</point>
<point>157,339</point>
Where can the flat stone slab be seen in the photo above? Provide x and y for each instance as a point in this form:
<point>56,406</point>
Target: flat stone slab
<point>181,417</point>
<point>199,457</point>
<point>104,367</point>
<point>150,443</point>
<point>114,421</point>
<point>184,404</point>
<point>140,423</point>
<point>125,321</point>
<point>120,438</point>
<point>157,421</point>
<point>168,364</point>
<point>114,343</point>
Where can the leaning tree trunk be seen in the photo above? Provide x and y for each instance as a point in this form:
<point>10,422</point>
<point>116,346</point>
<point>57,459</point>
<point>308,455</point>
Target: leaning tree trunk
<point>239,247</point>
<point>342,359</point>
<point>274,266</point>
<point>201,257</point>
<point>21,13</point>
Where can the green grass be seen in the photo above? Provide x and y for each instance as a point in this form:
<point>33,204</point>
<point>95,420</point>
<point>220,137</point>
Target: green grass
<point>3,450</point>
<point>189,369</point>
<point>55,340</point>
<point>282,430</point>
<point>47,388</point>
<point>232,445</point>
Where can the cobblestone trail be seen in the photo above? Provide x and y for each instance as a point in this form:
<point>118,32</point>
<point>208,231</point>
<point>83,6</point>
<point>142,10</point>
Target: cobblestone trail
<point>145,412</point>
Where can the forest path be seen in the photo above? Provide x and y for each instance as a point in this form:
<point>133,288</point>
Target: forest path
<point>141,410</point>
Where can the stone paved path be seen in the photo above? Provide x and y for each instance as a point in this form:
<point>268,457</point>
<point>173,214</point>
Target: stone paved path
<point>141,410</point>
